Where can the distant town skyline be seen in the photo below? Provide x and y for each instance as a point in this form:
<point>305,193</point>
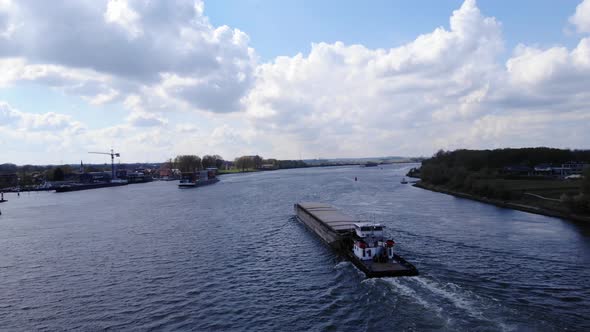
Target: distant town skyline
<point>289,79</point>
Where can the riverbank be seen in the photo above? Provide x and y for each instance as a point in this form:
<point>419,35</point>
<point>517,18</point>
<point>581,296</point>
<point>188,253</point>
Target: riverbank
<point>235,171</point>
<point>250,170</point>
<point>515,205</point>
<point>253,170</point>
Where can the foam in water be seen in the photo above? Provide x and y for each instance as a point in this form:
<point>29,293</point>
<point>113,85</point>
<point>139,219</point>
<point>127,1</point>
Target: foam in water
<point>342,265</point>
<point>453,296</point>
<point>464,300</point>
<point>410,293</point>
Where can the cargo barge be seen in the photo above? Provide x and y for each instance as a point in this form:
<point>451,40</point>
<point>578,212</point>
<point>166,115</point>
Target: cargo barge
<point>193,180</point>
<point>364,244</point>
<point>193,184</point>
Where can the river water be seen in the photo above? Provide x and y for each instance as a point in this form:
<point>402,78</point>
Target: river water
<point>232,256</point>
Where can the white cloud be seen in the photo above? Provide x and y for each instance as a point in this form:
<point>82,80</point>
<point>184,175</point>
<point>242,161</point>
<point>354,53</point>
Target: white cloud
<point>88,84</point>
<point>139,119</point>
<point>8,115</point>
<point>119,12</point>
<point>581,18</point>
<point>22,121</point>
<point>8,25</point>
<point>138,45</point>
<point>345,100</point>
<point>445,89</point>
<point>191,87</point>
<point>533,66</point>
<point>187,128</point>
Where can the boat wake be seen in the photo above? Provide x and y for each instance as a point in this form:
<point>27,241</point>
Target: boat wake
<point>343,265</point>
<point>451,304</point>
<point>453,294</point>
<point>408,292</point>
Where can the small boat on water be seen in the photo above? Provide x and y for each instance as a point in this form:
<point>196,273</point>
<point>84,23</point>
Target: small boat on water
<point>364,244</point>
<point>404,181</point>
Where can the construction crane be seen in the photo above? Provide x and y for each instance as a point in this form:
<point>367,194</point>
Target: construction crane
<point>113,155</point>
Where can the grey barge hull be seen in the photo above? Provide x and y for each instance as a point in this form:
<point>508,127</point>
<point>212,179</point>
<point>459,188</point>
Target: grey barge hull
<point>335,229</point>
<point>198,184</point>
<point>77,187</point>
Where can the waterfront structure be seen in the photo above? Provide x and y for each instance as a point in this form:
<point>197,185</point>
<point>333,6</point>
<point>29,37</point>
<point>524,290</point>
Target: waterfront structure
<point>94,177</point>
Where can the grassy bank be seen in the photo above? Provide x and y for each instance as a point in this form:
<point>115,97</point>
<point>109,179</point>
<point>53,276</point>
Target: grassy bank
<point>534,196</point>
<point>234,171</point>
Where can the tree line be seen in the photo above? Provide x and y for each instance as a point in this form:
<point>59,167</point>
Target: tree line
<point>257,162</point>
<point>31,174</point>
<point>474,171</point>
<point>456,166</point>
<point>475,160</point>
<point>193,163</point>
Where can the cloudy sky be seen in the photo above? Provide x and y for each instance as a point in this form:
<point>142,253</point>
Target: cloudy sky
<point>153,79</point>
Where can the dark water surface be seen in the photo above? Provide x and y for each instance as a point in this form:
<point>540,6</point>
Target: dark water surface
<point>231,256</point>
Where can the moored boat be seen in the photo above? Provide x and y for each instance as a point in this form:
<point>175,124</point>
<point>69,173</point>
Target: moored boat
<point>193,180</point>
<point>86,186</point>
<point>187,181</point>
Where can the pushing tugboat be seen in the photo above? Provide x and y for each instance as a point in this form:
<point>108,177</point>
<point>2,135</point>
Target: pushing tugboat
<point>364,244</point>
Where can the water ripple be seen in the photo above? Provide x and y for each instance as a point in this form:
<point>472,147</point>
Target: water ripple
<point>233,257</point>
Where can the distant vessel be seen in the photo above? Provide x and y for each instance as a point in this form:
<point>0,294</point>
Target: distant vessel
<point>404,181</point>
<point>370,164</point>
<point>201,178</point>
<point>364,244</point>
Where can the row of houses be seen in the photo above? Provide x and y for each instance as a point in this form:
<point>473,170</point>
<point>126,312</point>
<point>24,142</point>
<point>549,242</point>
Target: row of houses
<point>571,170</point>
<point>12,180</point>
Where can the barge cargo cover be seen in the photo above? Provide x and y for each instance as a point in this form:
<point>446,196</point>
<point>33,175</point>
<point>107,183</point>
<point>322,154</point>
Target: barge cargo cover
<point>327,222</point>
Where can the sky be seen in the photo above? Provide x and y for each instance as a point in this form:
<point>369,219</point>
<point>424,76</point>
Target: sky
<point>289,79</point>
